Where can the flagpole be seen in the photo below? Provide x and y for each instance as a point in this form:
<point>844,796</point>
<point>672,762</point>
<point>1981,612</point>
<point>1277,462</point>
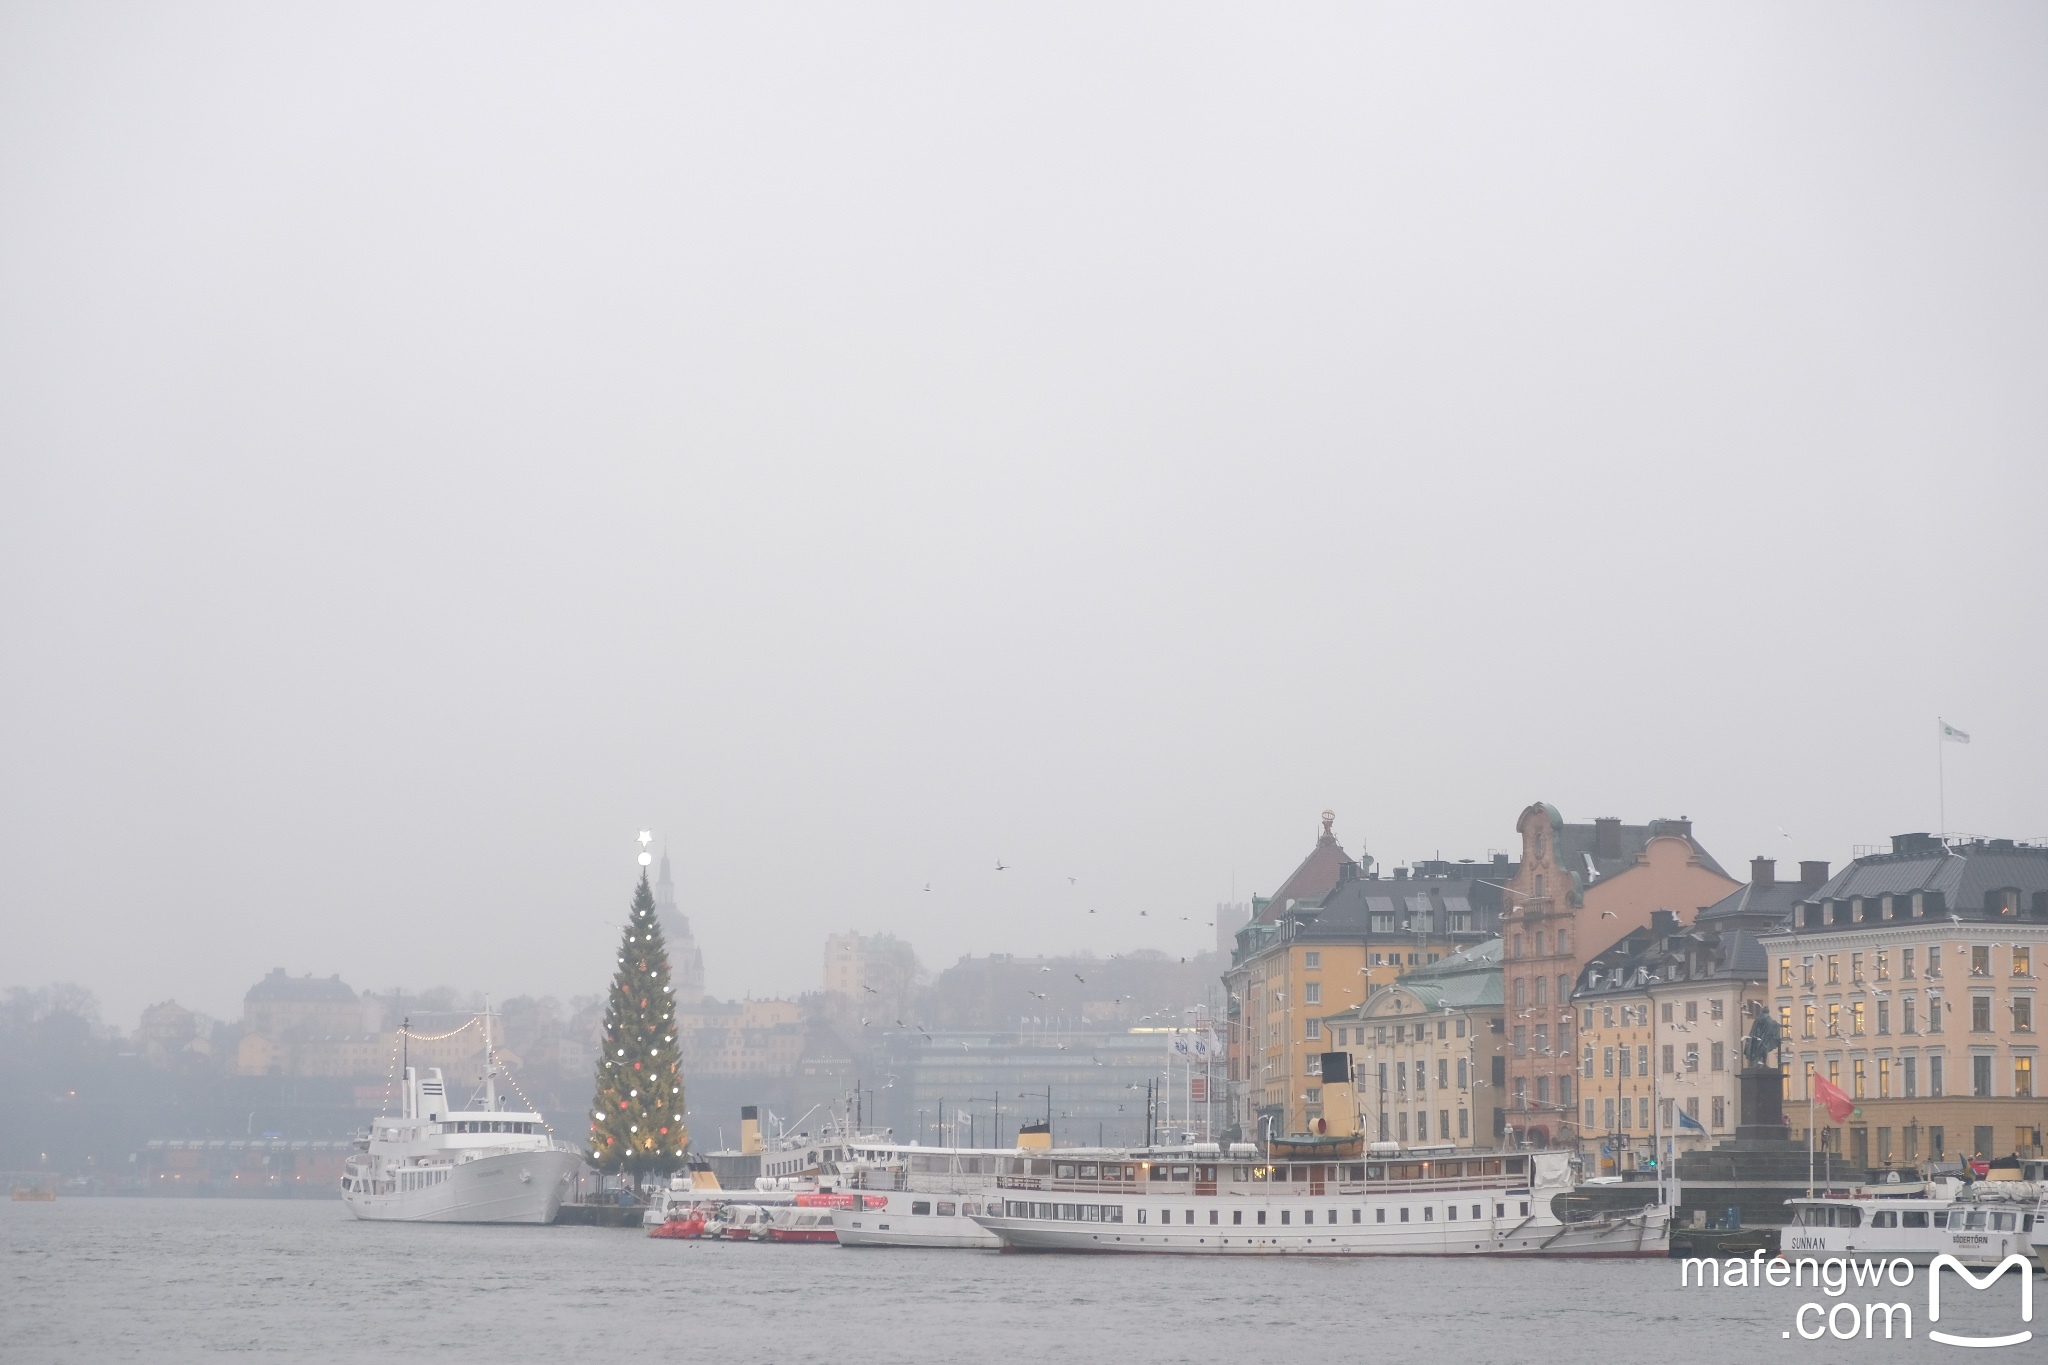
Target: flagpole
<point>1941,770</point>
<point>1809,1135</point>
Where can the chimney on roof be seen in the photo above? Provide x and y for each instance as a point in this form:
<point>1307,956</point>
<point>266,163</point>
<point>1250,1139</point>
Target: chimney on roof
<point>1682,827</point>
<point>1500,860</point>
<point>1400,874</point>
<point>1812,874</point>
<point>1663,922</point>
<point>1915,843</point>
<point>1763,872</point>
<point>1607,837</point>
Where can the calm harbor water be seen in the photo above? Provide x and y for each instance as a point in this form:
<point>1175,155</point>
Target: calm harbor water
<point>171,1280</point>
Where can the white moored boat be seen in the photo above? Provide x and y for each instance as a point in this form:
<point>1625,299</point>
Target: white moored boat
<point>438,1164</point>
<point>1201,1202</point>
<point>902,1195</point>
<point>1979,1224</point>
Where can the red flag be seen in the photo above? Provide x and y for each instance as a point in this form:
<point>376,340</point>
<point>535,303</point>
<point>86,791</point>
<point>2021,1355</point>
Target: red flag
<point>1837,1100</point>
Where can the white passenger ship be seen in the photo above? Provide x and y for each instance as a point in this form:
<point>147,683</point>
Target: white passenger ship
<point>438,1164</point>
<point>1202,1202</point>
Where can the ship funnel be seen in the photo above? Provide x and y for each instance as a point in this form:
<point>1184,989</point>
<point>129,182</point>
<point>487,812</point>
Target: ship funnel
<point>750,1130</point>
<point>1340,1099</point>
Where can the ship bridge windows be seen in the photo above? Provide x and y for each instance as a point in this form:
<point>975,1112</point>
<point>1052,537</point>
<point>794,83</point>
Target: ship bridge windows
<point>1825,1216</point>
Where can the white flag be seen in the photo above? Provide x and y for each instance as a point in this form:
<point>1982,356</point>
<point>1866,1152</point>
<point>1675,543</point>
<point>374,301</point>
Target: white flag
<point>962,1116</point>
<point>1949,732</point>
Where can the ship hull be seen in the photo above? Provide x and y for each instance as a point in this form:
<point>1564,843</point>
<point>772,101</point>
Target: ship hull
<point>898,1222</point>
<point>512,1187</point>
<point>1644,1234</point>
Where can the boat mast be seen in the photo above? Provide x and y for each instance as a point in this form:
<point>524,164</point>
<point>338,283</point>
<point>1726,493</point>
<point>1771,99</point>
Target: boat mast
<point>490,1063</point>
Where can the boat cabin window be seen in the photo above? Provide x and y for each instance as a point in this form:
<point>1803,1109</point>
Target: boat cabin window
<point>1825,1216</point>
<point>1518,1165</point>
<point>1913,1218</point>
<point>1180,1173</point>
<point>1158,1173</point>
<point>1884,1218</point>
<point>1065,1172</point>
<point>1354,1173</point>
<point>1375,1172</point>
<point>1088,1172</point>
<point>1240,1173</point>
<point>921,1206</point>
<point>945,1209</point>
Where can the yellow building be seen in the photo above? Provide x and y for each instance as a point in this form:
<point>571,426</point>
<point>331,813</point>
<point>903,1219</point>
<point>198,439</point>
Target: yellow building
<point>740,1038</point>
<point>1428,1054</point>
<point>1336,933</point>
<point>1910,980</point>
<point>1662,1013</point>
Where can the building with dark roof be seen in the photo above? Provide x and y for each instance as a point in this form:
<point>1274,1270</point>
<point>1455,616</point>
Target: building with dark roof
<point>1908,979</point>
<point>1579,887</point>
<point>1662,1013</point>
<point>1306,955</point>
<point>282,1007</point>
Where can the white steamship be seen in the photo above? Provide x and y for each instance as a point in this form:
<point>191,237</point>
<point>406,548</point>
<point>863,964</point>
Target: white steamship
<point>435,1163</point>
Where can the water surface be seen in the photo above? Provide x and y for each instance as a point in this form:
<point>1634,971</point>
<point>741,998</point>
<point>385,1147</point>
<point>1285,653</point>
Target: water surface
<point>175,1280</point>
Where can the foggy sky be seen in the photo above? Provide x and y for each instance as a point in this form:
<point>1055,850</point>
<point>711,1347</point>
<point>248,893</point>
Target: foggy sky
<point>863,442</point>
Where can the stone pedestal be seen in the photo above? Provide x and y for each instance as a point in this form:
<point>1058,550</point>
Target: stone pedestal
<point>1763,1105</point>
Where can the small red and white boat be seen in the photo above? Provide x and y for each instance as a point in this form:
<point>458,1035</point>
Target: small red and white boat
<point>800,1225</point>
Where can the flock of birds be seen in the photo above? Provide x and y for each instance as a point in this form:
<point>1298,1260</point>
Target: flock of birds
<point>1072,881</point>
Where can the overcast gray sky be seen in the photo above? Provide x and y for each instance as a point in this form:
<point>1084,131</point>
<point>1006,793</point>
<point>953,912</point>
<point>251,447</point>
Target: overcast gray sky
<point>862,442</point>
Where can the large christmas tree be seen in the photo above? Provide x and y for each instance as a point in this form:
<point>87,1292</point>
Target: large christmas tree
<point>637,1116</point>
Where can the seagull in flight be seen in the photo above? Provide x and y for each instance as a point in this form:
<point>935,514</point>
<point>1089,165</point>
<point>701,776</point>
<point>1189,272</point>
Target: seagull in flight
<point>1142,914</point>
<point>1607,914</point>
<point>927,886</point>
<point>869,989</point>
<point>1073,881</point>
<point>1080,978</point>
<point>1091,909</point>
<point>1038,994</point>
<point>1045,969</point>
<point>1000,867</point>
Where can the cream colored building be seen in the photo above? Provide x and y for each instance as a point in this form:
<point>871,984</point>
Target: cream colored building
<point>873,974</point>
<point>1911,980</point>
<point>1427,1054</point>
